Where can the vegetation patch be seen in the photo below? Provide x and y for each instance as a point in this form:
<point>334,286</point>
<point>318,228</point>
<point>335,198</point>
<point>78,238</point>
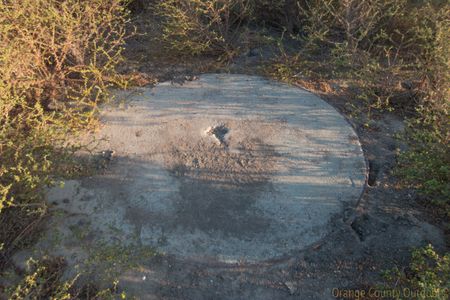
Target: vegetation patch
<point>43,280</point>
<point>57,61</point>
<point>113,259</point>
<point>426,277</point>
<point>193,27</point>
<point>386,55</point>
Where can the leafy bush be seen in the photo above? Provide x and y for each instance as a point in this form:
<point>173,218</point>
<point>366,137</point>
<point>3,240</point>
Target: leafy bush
<point>55,52</point>
<point>427,277</point>
<point>56,61</point>
<point>42,282</point>
<point>426,164</point>
<point>60,53</point>
<point>192,27</point>
<point>26,141</point>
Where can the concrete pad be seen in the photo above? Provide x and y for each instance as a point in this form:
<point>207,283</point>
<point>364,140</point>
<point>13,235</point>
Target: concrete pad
<point>226,168</point>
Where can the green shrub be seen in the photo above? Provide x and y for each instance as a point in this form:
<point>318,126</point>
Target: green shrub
<point>42,282</point>
<point>193,27</point>
<point>59,53</point>
<point>426,164</point>
<point>26,143</point>
<point>56,61</point>
<point>427,277</point>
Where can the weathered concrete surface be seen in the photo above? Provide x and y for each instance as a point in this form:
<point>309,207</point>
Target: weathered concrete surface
<point>227,168</point>
<point>288,164</point>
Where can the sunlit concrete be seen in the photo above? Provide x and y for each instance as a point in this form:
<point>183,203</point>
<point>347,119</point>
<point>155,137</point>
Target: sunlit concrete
<point>288,164</point>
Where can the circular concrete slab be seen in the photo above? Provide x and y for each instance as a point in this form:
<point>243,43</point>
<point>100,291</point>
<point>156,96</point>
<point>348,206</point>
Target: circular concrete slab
<point>227,167</point>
